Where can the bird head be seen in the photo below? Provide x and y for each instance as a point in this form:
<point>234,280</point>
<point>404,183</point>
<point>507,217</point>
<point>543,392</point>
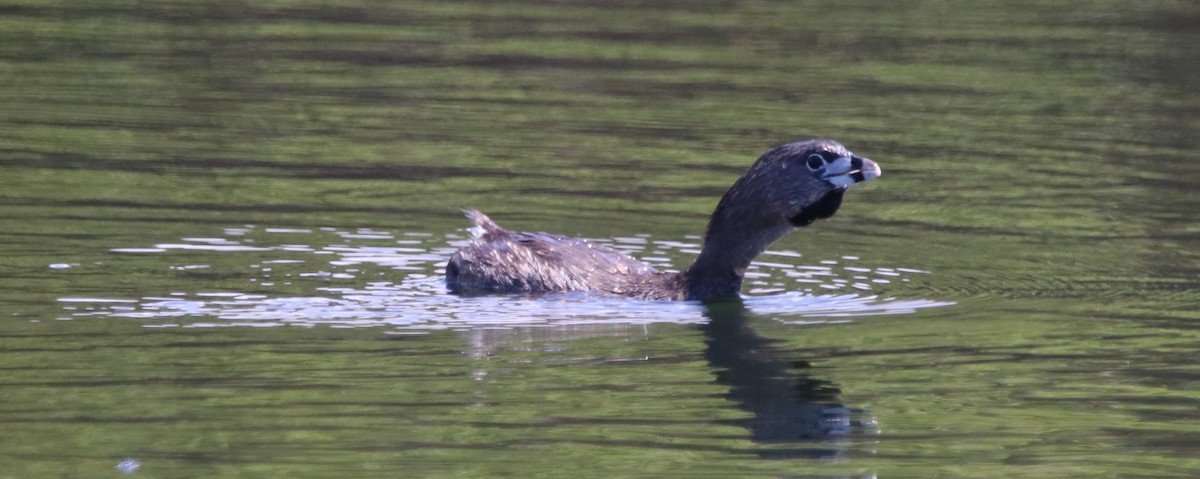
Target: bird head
<point>804,181</point>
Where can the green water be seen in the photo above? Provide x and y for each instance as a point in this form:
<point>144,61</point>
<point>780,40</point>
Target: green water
<point>224,226</point>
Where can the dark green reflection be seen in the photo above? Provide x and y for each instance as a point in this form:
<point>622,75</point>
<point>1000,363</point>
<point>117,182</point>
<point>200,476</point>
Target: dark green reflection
<point>1040,167</point>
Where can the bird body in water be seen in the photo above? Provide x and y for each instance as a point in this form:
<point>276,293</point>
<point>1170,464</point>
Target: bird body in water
<point>789,187</point>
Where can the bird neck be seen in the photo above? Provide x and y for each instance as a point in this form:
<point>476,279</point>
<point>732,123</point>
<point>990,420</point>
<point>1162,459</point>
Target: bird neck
<point>733,239</point>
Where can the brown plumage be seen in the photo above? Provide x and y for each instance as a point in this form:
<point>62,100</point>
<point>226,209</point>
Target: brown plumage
<point>790,186</point>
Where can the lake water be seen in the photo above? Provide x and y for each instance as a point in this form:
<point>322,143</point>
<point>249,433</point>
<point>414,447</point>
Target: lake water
<point>225,225</point>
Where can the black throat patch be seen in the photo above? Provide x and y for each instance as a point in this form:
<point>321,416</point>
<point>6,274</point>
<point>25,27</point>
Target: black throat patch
<point>822,208</point>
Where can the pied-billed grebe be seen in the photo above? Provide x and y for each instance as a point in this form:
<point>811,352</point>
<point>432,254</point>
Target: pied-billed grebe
<point>788,187</point>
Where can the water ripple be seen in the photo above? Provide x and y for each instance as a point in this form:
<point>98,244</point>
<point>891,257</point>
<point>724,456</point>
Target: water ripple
<point>348,283</point>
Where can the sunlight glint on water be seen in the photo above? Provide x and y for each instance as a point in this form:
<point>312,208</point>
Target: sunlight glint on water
<point>399,284</point>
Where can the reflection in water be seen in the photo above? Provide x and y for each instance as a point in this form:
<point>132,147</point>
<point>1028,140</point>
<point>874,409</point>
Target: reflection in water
<point>347,283</point>
<point>1045,168</point>
<point>786,406</point>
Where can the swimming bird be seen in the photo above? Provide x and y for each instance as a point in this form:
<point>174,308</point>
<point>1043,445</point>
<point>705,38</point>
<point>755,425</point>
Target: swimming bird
<point>790,186</point>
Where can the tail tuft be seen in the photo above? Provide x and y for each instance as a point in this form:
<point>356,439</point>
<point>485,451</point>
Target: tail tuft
<point>483,224</point>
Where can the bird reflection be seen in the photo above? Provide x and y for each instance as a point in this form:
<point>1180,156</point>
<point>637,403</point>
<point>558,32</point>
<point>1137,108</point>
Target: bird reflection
<point>787,405</point>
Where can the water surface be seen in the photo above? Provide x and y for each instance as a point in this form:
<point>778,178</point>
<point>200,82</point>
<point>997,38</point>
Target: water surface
<point>226,224</point>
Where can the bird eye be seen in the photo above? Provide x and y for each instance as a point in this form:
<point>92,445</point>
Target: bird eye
<point>814,162</point>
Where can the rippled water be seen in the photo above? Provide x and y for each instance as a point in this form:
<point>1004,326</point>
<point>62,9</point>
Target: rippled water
<point>226,223</point>
<point>350,278</point>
